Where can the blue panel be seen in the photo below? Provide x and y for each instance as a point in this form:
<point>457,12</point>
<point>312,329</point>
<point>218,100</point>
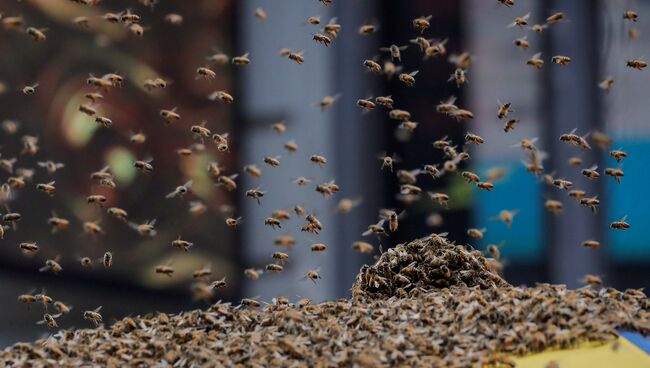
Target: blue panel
<point>631,197</point>
<point>518,190</point>
<point>643,342</point>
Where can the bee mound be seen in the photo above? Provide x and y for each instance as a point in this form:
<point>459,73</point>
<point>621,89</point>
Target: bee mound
<point>426,264</point>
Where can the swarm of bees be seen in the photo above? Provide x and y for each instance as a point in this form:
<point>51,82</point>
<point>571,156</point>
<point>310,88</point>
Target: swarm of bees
<point>431,281</point>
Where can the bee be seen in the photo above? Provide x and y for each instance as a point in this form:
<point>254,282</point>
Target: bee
<point>197,208</point>
<point>561,59</point>
<point>8,164</point>
<point>182,244</point>
<point>408,78</point>
<point>520,21</point>
<point>494,250</point>
<point>37,34</point>
<point>285,241</point>
<point>218,58</point>
<point>462,61</point>
<point>606,84</point>
<point>272,222</point>
<point>297,56</point>
<point>174,19</point>
<point>591,202</point>
<point>327,101</point>
<point>592,280</point>
<point>47,188</point>
<point>447,106</point>
<point>299,211</point>
<point>388,161</point>
<point>251,302</point>
<point>136,29</point>
<point>227,182</point>
<point>27,298</point>
<point>165,269</point>
<point>314,221</point>
<point>313,275</point>
<point>322,39</point>
<point>219,284</point>
<point>591,244</point>
<point>43,299</point>
<point>111,17</point>
<point>460,76</point>
<point>85,261</point>
<point>390,69</point>
<point>260,14</point>
<point>242,59</point>
<point>422,23</point>
<point>317,247</point>
<point>104,121</point>
<point>436,48</point>
<point>12,22</point>
<point>638,64</point>
<point>615,173</point>
<point>633,33</point>
<point>252,170</point>
<point>255,194</point>
<point>144,166</point>
<point>30,90</point>
<point>504,109</point>
<point>408,125</point>
<point>107,259</point>
<point>233,222</point>
<point>536,61</point>
<point>221,95</point>
<point>17,182</point>
<point>137,138</point>
<point>562,183</point>
<point>508,3</point>
<point>280,256</point>
<point>575,139</point>
<point>506,216</point>
<point>52,265</point>
<point>554,206</point>
<point>476,233</point>
<point>327,188</point>
<point>363,247</point>
<point>372,66</point>
<point>385,101</point>
<point>180,190</point>
<point>97,199</point>
<point>28,247</point>
<point>272,161</point>
<point>301,180</point>
<point>151,84</point>
<point>367,28</point>
<point>221,140</point>
<point>332,28</point>
<point>94,316</point>
<point>114,78</point>
<point>62,308</point>
<point>170,115</point>
<point>99,83</point>
<point>521,42</point>
<point>410,189</point>
<point>618,155</point>
<point>575,161</point>
<point>470,176</point>
<point>30,145</point>
<point>485,185</point>
<point>630,15</point>
<point>49,320</point>
<point>577,193</point>
<point>591,172</point>
<point>279,127</point>
<point>397,114</point>
<point>393,219</point>
<point>58,223</point>
<point>145,229</point>
<point>8,126</point>
<point>555,17</point>
<point>291,146</point>
<point>462,114</point>
<point>422,42</point>
<point>92,228</point>
<point>473,138</point>
<point>395,51</point>
<point>441,198</point>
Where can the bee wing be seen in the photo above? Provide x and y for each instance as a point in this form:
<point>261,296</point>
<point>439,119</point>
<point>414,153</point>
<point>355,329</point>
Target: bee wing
<point>526,17</point>
<point>511,24</point>
<point>414,73</point>
<point>188,184</point>
<point>402,48</point>
<point>42,164</point>
<point>623,218</point>
<point>366,233</point>
<point>593,167</point>
<point>449,100</point>
<point>172,194</point>
<point>96,310</point>
<point>384,49</point>
<point>537,55</point>
<point>381,222</point>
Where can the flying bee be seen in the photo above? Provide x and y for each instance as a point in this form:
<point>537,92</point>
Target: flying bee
<point>174,19</point>
<point>390,69</point>
<point>85,261</point>
<point>408,125</point>
<point>219,284</point>
<point>301,180</point>
<point>170,115</point>
<point>180,190</point>
<point>12,22</point>
<point>256,194</point>
<point>486,185</point>
<point>52,265</point>
<point>614,172</point>
<point>327,188</point>
<point>327,101</point>
<point>461,114</point>
<point>272,161</point>
<point>281,215</point>
<point>506,216</point>
<point>251,302</point>
<point>460,76</point>
<point>8,164</point>
<point>111,17</point>
<point>638,64</point>
<point>504,109</point>
<point>99,83</point>
<point>555,17</point>
<point>520,21</point>
<point>422,23</point>
<point>297,56</point>
<point>408,78</point>
<point>441,198</point>
<point>470,176</point>
<point>47,188</point>
<point>97,199</point>
<point>260,14</point>
<point>591,172</point>
<point>115,79</point>
<point>508,3</point>
<point>197,208</point>
<point>43,299</point>
<point>410,189</point>
<point>37,34</point>
<point>92,227</point>
<point>165,269</point>
<point>313,275</point>
<point>299,211</point>
<point>62,308</point>
<point>241,60</point>
<point>577,193</point>
<point>94,316</point>
<point>388,161</point>
<point>398,114</point>
<point>422,42</point>
<point>182,244</point>
<point>107,259</point>
<point>28,247</point>
<point>137,138</point>
<point>285,241</point>
<point>49,320</point>
<point>536,61</point>
<point>279,127</point>
<point>575,139</point>
<point>272,222</point>
<point>27,298</point>
<point>367,28</point>
<point>527,144</point>
<point>227,182</point>
<point>200,130</point>
<point>620,224</point>
<point>606,84</point>
<point>461,61</point>
<point>554,206</point>
<point>221,141</point>
<point>233,222</point>
<point>144,166</point>
<point>280,256</point>
<point>591,202</point>
<point>591,279</point>
<point>563,183</point>
<point>630,15</point>
<point>561,59</point>
<point>58,223</point>
<point>322,39</point>
<point>385,101</point>
<point>447,106</point>
<point>332,28</point>
<point>146,229</point>
<point>291,146</point>
<point>363,247</point>
<point>252,170</point>
<point>30,145</point>
<point>473,138</point>
<point>372,66</point>
<point>436,48</point>
<point>319,160</point>
<point>218,58</point>
<point>128,17</point>
<point>103,121</point>
<point>221,95</point>
<point>393,219</point>
<point>476,233</point>
<point>30,90</point>
<point>574,161</point>
<point>618,155</point>
<point>591,244</point>
<point>395,51</point>
<point>521,42</point>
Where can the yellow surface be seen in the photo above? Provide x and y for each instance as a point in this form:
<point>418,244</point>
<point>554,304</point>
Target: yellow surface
<point>627,355</point>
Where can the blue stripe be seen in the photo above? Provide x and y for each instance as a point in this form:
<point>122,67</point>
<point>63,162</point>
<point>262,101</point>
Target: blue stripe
<point>643,342</point>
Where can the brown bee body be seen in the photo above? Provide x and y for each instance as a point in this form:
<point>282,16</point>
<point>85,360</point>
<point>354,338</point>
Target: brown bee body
<point>255,194</point>
<point>241,60</point>
<point>97,199</point>
<point>318,247</point>
<point>170,116</point>
<point>615,173</point>
<point>554,206</point>
<point>476,233</point>
<point>92,228</point>
<point>363,247</point>
<point>365,104</point>
<point>322,39</point>
<point>28,247</point>
<point>144,166</point>
<point>107,259</point>
<point>372,66</point>
<point>638,64</point>
<point>367,28</point>
<point>591,244</point>
<point>37,35</point>
<point>561,59</point>
<point>297,57</point>
<point>606,84</point>
<point>47,188</point>
<point>397,114</point>
<point>555,17</point>
<point>228,182</point>
<point>166,270</point>
<point>182,244</point>
<point>591,172</point>
<point>422,23</point>
<point>273,267</point>
<point>503,110</point>
<point>57,223</point>
<point>441,198</point>
<point>385,101</point>
<point>470,176</point>
<point>252,170</point>
<point>221,95</point>
<point>272,161</point>
<point>536,61</point>
<point>408,78</point>
<point>52,265</point>
<point>591,202</point>
<point>522,43</point>
<point>630,15</point>
<point>94,316</point>
<point>250,302</point>
<point>485,185</point>
<point>618,155</point>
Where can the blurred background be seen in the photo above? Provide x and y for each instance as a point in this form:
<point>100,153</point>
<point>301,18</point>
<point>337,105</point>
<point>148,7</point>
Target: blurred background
<point>539,247</point>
